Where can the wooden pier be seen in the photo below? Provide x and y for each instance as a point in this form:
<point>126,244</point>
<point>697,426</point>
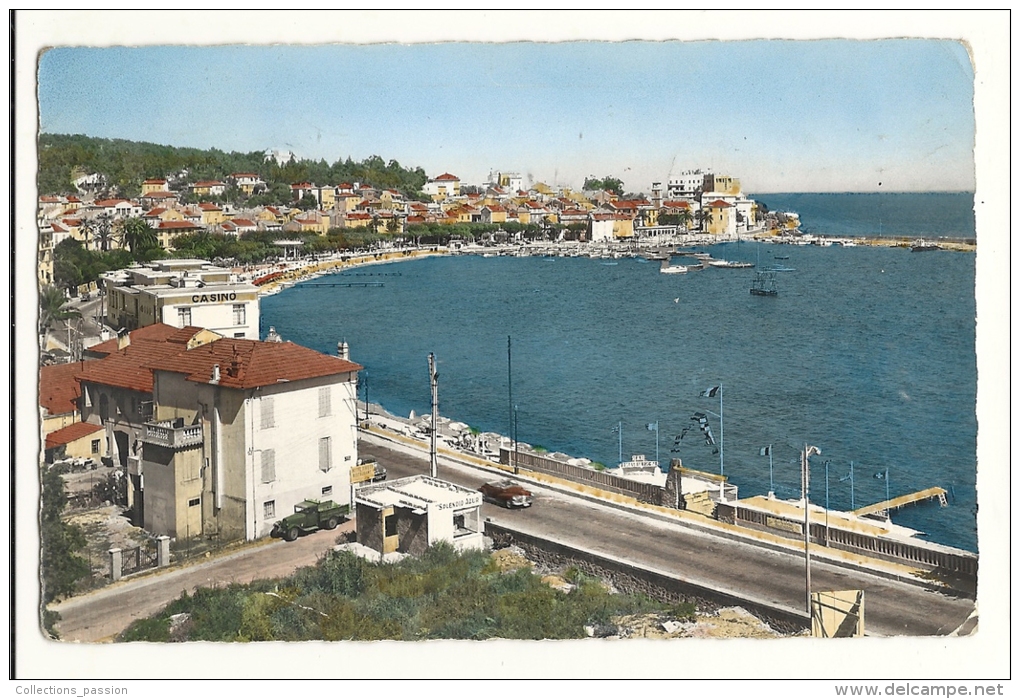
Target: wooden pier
<point>935,493</point>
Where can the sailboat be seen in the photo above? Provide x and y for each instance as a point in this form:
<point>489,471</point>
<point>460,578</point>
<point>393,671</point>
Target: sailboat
<point>764,283</point>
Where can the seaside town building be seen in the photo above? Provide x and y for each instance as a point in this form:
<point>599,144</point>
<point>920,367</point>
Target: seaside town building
<point>182,293</point>
<point>410,514</point>
<point>217,435</point>
<point>242,432</point>
<point>442,187</point>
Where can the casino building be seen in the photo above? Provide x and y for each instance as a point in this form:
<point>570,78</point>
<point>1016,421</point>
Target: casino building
<point>182,293</point>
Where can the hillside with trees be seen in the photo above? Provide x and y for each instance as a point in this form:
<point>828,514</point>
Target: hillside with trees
<point>126,164</point>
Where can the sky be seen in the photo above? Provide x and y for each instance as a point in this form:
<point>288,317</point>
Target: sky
<point>781,115</point>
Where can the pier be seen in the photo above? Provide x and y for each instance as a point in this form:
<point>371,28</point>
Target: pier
<point>346,284</point>
<point>904,500</point>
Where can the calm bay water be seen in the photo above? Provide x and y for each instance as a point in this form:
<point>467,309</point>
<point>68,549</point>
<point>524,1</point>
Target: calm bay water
<point>867,353</point>
<point>912,215</point>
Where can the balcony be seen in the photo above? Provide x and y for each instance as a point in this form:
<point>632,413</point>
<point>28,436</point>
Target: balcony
<point>173,434</point>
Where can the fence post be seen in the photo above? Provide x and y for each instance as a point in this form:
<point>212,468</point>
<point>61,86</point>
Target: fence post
<point>162,551</point>
<point>115,564</point>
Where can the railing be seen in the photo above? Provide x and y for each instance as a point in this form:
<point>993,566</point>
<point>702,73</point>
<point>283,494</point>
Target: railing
<point>645,492</point>
<point>166,435</point>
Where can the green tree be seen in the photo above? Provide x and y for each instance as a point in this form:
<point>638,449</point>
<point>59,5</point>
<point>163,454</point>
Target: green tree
<point>608,183</point>
<point>62,567</point>
<point>139,236</point>
<point>51,308</point>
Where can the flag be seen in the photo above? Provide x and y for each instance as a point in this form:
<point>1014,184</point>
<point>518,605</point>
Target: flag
<point>652,426</point>
<point>765,451</point>
<point>710,392</point>
<point>880,475</point>
<point>705,428</point>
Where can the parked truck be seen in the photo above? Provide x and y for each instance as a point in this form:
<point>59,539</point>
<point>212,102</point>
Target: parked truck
<point>310,516</point>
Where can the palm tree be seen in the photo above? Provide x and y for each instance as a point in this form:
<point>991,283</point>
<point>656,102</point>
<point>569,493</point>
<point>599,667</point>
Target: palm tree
<point>100,230</point>
<point>51,308</point>
<point>138,235</point>
<point>685,218</point>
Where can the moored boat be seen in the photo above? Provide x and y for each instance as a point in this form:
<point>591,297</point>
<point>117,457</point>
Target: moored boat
<point>921,245</point>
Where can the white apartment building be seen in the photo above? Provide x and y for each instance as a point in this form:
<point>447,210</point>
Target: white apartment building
<point>182,293</point>
<point>685,184</point>
<point>242,432</point>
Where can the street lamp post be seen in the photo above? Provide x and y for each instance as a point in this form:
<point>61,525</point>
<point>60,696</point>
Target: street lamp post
<point>805,480</point>
<point>434,381</point>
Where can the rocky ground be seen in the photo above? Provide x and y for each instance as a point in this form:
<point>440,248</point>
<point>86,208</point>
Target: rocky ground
<point>728,622</point>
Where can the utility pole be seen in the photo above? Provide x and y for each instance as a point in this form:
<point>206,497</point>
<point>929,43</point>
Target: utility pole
<point>434,380</point>
<point>510,395</point>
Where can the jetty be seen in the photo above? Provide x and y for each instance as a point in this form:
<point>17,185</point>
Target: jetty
<point>935,493</point>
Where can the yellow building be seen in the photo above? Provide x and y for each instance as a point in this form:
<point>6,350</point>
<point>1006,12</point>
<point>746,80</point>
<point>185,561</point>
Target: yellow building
<point>212,215</point>
<point>153,185</point>
<point>79,440</point>
<point>721,184</point>
<point>719,218</point>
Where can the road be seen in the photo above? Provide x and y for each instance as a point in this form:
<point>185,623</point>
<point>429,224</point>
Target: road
<point>892,608</point>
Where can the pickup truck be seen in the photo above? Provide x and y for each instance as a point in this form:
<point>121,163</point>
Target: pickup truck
<point>310,516</point>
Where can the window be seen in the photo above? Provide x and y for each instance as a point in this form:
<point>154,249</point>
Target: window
<point>184,316</point>
<point>241,335</point>
<point>328,490</point>
<point>269,509</point>
<point>95,446</point>
<point>324,401</point>
<point>194,502</point>
<point>268,465</point>
<point>390,524</point>
<point>239,314</point>
<point>325,454</point>
<point>268,419</point>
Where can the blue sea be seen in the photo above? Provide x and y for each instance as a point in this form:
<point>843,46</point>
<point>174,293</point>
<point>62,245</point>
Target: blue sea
<point>867,353</point>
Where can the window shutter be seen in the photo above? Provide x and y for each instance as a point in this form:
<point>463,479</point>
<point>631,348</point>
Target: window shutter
<point>268,465</point>
<point>324,401</point>
<point>324,454</point>
<point>268,418</point>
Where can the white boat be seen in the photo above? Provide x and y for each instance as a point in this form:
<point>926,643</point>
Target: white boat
<point>672,269</point>
<point>726,264</point>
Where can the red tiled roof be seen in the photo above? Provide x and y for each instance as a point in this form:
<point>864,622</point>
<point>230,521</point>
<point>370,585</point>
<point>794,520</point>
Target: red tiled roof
<point>162,194</point>
<point>676,204</point>
<point>58,391</point>
<point>301,185</point>
<point>209,183</point>
<point>57,228</point>
<point>155,181</point>
<point>416,219</point>
<point>720,204</point>
<point>66,435</point>
<point>73,199</point>
<point>251,363</point>
<point>49,200</point>
<point>355,216</point>
<point>111,202</point>
<point>447,177</point>
<point>154,212</point>
<point>244,222</point>
<point>178,225</point>
<point>72,222</point>
<point>158,332</point>
<point>245,174</point>
<point>206,206</point>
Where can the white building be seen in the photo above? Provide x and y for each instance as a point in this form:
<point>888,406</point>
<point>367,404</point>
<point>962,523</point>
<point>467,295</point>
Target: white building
<point>242,432</point>
<point>410,514</point>
<point>182,293</point>
<point>686,184</point>
<point>443,187</point>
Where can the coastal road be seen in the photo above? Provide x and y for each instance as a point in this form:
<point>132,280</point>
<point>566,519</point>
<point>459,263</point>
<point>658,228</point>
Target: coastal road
<point>103,614</point>
<point>892,608</point>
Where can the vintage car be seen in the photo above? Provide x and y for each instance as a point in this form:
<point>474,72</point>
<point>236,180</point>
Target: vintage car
<point>506,493</point>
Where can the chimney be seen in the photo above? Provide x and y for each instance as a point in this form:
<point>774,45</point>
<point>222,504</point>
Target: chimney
<point>123,339</point>
<point>215,374</point>
<point>343,350</point>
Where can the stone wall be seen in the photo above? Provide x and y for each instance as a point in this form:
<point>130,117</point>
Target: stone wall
<point>633,579</point>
